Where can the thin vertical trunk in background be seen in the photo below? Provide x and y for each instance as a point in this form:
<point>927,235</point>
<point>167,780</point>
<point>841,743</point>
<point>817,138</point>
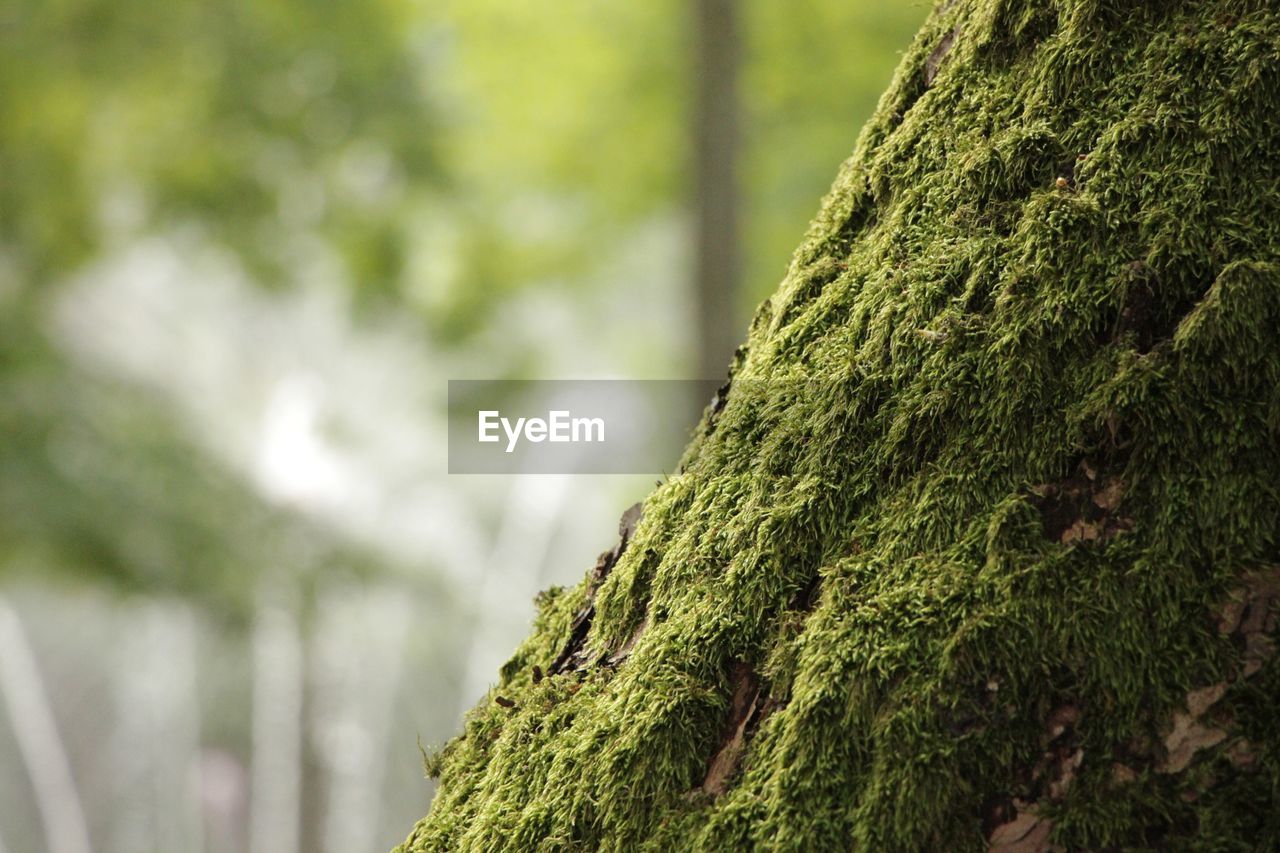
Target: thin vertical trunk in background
<point>715,173</point>
<point>36,731</point>
<point>275,807</point>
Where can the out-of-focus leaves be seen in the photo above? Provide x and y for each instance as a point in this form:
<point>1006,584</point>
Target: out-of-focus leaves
<point>255,120</point>
<point>268,128</point>
<point>96,480</point>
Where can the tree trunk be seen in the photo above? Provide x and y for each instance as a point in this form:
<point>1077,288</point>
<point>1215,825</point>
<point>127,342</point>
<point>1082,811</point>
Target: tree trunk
<point>715,147</point>
<point>983,548</point>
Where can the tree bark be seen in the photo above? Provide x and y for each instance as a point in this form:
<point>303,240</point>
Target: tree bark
<point>983,548</point>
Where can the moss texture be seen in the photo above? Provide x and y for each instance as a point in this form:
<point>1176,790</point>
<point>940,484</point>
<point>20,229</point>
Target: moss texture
<point>981,546</point>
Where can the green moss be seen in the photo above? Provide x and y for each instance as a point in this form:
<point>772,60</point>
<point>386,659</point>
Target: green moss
<point>1002,442</point>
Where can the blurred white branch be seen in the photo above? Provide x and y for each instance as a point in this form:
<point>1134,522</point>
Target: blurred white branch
<point>36,731</point>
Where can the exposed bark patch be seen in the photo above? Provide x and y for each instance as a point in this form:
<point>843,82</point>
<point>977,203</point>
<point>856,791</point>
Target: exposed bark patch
<point>743,708</point>
<point>934,60</point>
<point>572,655</point>
<point>1188,734</point>
<point>1082,508</point>
<point>1015,825</point>
<point>575,655</point>
<point>718,402</point>
<point>721,398</point>
<point>1056,769</point>
<point>1027,832</point>
<point>1250,614</point>
<point>765,705</point>
<point>1123,774</point>
<point>624,651</point>
<point>627,525</point>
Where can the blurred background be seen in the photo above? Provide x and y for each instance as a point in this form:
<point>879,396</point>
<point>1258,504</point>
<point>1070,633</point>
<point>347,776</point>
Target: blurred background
<point>243,245</point>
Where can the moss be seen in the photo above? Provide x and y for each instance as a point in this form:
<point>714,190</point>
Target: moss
<point>948,567</point>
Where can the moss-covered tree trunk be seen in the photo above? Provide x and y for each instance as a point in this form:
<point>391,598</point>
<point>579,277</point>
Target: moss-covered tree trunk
<point>983,547</point>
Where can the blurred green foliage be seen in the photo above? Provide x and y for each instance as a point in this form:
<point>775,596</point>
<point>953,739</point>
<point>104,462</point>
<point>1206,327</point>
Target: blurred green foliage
<point>252,119</point>
<point>265,127</point>
<point>446,156</point>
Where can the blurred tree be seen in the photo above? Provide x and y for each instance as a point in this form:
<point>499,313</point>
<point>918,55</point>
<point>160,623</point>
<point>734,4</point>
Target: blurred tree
<point>256,121</point>
<point>716,201</point>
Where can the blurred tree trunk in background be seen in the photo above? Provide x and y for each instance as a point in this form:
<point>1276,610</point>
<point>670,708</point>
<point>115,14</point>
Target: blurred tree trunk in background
<point>30,714</point>
<point>715,125</point>
<point>981,547</point>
